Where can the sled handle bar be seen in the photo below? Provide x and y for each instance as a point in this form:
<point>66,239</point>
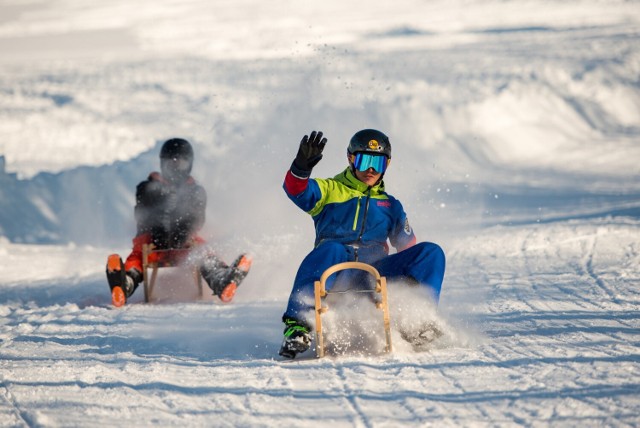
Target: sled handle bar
<point>320,292</point>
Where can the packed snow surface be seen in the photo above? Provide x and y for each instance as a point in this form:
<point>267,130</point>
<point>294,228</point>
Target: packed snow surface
<point>516,137</point>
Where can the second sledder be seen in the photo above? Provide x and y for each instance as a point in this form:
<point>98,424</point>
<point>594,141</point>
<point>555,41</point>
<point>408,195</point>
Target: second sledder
<point>170,210</point>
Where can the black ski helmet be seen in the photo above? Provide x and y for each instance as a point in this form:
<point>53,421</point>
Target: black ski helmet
<point>369,141</point>
<point>176,159</point>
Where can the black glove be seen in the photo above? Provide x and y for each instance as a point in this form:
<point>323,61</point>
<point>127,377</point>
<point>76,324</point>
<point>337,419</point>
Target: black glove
<point>309,154</point>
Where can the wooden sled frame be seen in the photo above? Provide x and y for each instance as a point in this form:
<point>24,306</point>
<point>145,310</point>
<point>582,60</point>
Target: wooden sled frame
<point>149,283</point>
<point>321,292</point>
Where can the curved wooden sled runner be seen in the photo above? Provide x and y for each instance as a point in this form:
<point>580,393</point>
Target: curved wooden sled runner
<point>321,292</point>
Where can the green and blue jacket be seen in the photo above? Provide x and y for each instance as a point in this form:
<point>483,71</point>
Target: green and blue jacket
<point>346,210</point>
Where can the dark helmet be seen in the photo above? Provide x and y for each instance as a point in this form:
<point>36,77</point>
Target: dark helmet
<point>176,159</point>
<point>370,141</point>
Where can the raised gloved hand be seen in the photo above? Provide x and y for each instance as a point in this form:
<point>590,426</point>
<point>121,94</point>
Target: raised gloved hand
<point>309,154</point>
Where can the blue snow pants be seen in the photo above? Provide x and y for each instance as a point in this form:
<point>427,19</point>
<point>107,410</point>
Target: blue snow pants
<point>423,263</point>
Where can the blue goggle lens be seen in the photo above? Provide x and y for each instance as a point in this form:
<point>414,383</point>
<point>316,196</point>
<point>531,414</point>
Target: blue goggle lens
<point>364,161</point>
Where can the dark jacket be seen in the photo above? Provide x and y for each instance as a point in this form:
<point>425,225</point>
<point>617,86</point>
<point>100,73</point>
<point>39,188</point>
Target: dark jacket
<point>170,213</point>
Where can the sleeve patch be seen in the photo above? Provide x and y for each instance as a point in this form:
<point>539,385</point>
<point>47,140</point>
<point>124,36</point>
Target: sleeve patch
<point>407,227</point>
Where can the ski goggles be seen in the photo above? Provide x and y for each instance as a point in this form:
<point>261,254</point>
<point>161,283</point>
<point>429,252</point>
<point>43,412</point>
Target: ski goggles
<point>364,161</point>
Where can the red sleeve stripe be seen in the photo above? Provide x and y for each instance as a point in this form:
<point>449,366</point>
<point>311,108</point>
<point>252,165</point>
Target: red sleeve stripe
<point>294,185</point>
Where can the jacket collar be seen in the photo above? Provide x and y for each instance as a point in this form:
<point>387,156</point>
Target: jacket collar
<point>347,178</point>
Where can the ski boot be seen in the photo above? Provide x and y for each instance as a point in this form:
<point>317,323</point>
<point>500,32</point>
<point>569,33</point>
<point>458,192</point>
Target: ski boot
<point>122,285</point>
<point>422,337</point>
<point>297,339</point>
<point>224,280</point>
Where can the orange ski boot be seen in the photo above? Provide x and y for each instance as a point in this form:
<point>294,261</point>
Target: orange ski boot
<point>117,280</point>
<point>239,271</point>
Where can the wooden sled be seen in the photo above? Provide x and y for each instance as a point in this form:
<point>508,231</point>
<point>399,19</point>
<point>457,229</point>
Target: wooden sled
<point>321,292</point>
<point>149,282</point>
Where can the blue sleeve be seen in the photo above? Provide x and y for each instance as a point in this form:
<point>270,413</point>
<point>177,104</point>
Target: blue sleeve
<point>304,196</point>
<point>402,235</point>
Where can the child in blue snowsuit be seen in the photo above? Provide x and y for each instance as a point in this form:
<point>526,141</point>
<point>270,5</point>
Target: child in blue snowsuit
<point>354,221</point>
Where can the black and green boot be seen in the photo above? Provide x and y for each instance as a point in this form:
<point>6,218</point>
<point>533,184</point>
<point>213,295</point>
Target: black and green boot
<point>297,338</point>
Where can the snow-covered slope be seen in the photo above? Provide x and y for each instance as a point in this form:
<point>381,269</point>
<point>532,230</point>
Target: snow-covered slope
<point>541,329</point>
<point>515,127</point>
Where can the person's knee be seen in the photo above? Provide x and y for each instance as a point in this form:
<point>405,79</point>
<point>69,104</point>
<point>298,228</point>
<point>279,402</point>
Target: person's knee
<point>438,254</point>
<point>431,251</point>
<point>432,262</point>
